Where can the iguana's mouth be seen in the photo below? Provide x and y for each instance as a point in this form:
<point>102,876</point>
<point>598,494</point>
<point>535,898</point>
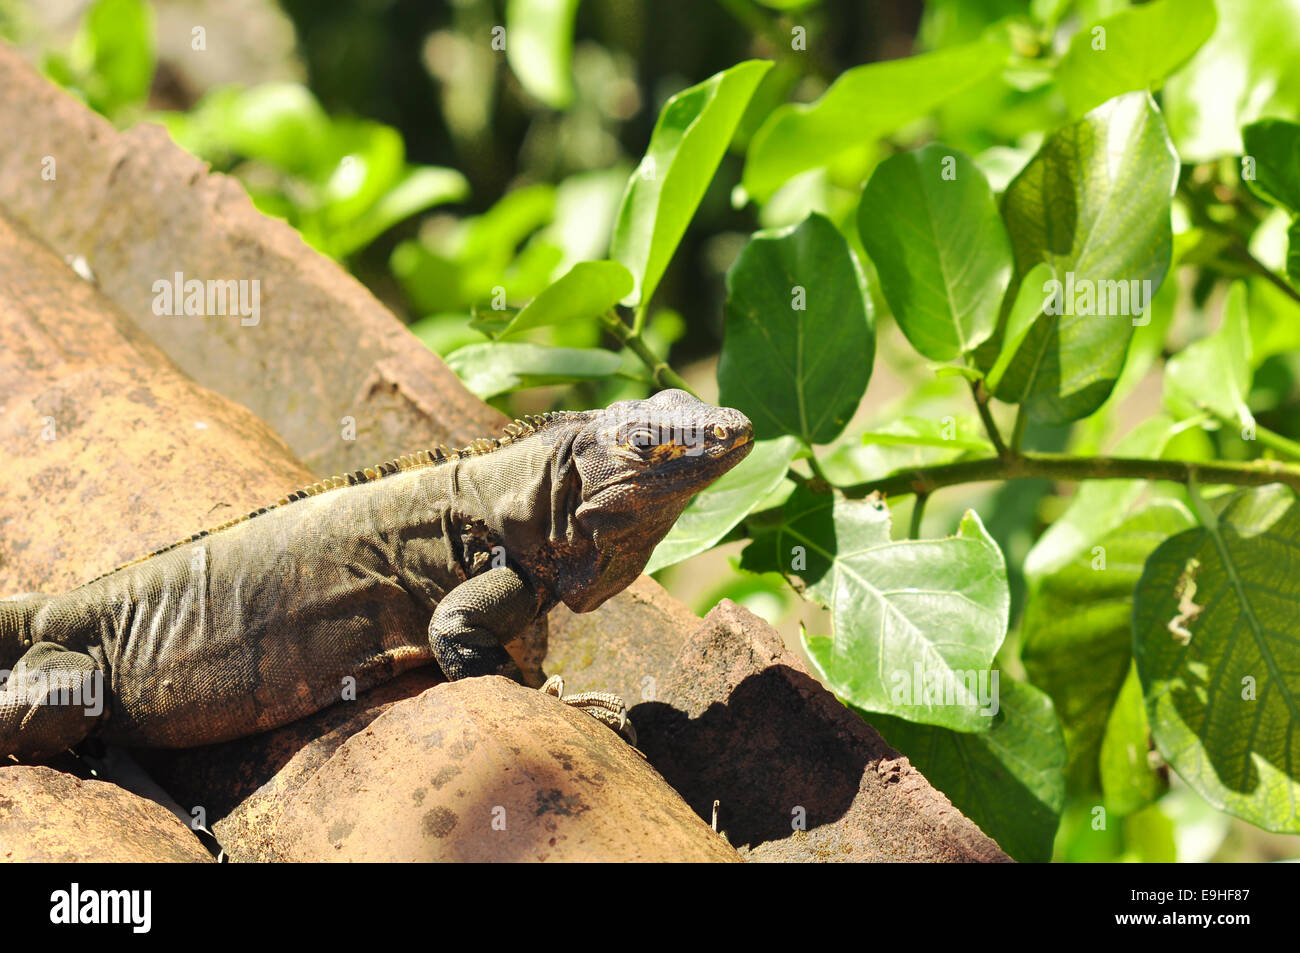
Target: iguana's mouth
<point>740,434</point>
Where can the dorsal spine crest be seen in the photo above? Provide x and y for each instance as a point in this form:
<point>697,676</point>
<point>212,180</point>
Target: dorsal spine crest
<point>521,427</point>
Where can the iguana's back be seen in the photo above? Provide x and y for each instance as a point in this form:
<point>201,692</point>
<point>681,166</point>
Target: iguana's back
<point>256,625</point>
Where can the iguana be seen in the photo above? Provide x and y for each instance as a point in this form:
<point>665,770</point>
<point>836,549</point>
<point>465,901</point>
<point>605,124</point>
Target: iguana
<point>437,557</point>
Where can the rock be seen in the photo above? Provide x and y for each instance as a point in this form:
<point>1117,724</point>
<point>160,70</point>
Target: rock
<point>51,816</point>
<point>241,782</point>
<point>477,770</point>
<point>740,719</point>
<point>110,452</point>
<point>139,209</point>
<point>626,646</point>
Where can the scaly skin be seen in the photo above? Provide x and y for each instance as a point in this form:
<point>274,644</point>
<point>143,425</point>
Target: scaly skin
<point>269,618</point>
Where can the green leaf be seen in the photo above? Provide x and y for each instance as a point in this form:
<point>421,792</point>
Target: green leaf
<point>430,281</point>
<point>716,510</point>
<point>1135,49</point>
<point>958,370</point>
<point>363,161</point>
<point>1274,146</point>
<point>281,123</point>
<point>420,188</point>
<point>858,463</point>
<point>1149,837</point>
<point>444,333</point>
<point>1076,634</point>
<point>114,54</point>
<point>963,433</point>
<point>906,614</point>
<point>587,290</point>
<point>1025,310</point>
<point>930,224</point>
<point>799,342</point>
<point>1274,317</point>
<point>1214,373</point>
<point>1094,204</point>
<point>491,321</point>
<point>491,369</point>
<point>1098,506</point>
<point>1128,780</point>
<point>1009,780</point>
<point>494,236</point>
<point>863,105</point>
<point>468,265</point>
<point>539,48</point>
<point>1245,71</point>
<point>693,131</point>
<point>1293,252</point>
<point>1224,706</point>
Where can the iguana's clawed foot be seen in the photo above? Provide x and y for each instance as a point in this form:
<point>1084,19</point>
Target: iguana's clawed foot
<point>607,708</point>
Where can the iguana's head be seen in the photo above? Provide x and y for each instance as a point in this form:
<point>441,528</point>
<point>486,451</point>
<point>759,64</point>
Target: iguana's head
<point>640,462</point>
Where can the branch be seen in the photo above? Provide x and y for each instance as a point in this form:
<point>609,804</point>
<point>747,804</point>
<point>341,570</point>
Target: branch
<point>1265,272</point>
<point>1240,247</point>
<point>760,25</point>
<point>663,375</point>
<point>1061,466</point>
<point>918,511</point>
<point>1018,430</point>
<point>982,403</point>
<point>1268,438</point>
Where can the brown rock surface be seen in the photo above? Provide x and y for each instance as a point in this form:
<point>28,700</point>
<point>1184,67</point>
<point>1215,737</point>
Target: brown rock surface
<point>47,815</point>
<point>479,770</point>
<point>239,784</point>
<point>109,450</point>
<point>739,719</point>
<point>139,210</point>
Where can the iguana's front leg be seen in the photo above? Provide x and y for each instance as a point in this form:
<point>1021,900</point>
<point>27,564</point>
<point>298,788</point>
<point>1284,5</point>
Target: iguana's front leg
<point>473,622</point>
<point>50,702</point>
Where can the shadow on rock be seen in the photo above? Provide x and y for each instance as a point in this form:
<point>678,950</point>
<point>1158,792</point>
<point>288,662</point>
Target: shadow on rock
<point>769,761</point>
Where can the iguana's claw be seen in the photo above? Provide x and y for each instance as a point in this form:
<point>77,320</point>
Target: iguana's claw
<point>607,708</point>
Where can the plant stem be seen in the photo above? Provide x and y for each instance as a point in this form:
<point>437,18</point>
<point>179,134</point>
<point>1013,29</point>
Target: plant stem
<point>761,25</point>
<point>1269,438</point>
<point>918,511</point>
<point>1239,245</point>
<point>663,375</point>
<point>818,481</point>
<point>981,397</point>
<point>1061,466</point>
<point>923,481</point>
<point>1275,441</point>
<point>1263,271</point>
<point>1018,431</point>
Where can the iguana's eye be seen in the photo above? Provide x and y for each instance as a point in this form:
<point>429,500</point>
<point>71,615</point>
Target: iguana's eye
<point>641,438</point>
